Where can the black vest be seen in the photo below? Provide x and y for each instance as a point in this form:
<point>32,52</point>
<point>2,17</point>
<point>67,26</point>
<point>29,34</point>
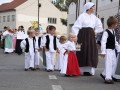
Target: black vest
<point>27,45</point>
<point>48,42</point>
<point>110,40</point>
<point>39,41</point>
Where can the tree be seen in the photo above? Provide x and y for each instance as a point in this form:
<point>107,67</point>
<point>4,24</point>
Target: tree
<point>63,4</point>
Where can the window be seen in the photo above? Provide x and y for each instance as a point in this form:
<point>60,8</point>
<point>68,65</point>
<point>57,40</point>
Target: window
<point>8,18</point>
<point>4,18</point>
<point>0,19</point>
<point>52,20</point>
<point>13,17</point>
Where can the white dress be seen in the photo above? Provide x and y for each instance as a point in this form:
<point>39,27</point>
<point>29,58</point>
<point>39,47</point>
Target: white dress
<point>59,61</point>
<point>8,41</point>
<point>71,47</point>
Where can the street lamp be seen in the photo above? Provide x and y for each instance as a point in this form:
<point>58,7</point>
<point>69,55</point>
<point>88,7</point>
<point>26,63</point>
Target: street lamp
<point>39,5</point>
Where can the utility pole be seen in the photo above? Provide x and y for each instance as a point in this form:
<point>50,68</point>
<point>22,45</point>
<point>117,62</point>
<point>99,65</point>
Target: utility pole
<point>39,5</point>
<point>119,7</point>
<point>96,7</point>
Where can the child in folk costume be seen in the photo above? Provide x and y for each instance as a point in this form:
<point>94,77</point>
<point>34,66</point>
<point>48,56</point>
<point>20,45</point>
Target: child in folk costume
<point>8,35</point>
<point>50,45</point>
<point>38,47</point>
<point>29,45</point>
<point>61,46</point>
<point>14,38</point>
<point>108,46</point>
<point>43,53</point>
<point>70,65</point>
<point>20,36</point>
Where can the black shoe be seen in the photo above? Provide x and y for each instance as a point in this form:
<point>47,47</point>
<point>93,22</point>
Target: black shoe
<point>87,74</point>
<point>33,69</point>
<point>109,82</point>
<point>114,79</point>
<point>6,53</point>
<point>48,70</point>
<point>67,75</point>
<point>51,70</point>
<point>26,69</point>
<point>102,76</point>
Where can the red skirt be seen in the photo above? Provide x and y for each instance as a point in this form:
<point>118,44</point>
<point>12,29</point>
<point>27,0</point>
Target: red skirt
<point>72,65</point>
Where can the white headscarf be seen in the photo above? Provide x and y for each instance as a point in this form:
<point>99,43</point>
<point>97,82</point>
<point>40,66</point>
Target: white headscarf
<point>88,5</point>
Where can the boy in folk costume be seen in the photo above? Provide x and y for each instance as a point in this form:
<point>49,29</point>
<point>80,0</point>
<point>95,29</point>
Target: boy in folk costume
<point>38,47</point>
<point>108,46</point>
<point>8,35</point>
<point>44,55</point>
<point>50,45</point>
<point>29,45</point>
<point>70,64</point>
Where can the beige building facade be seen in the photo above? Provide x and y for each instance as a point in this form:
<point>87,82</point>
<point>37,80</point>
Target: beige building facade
<point>27,13</point>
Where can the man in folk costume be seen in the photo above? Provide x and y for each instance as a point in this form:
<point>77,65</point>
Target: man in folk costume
<point>29,46</point>
<point>85,28</point>
<point>50,45</point>
<point>8,35</point>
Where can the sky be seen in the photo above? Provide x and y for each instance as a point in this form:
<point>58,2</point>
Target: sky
<point>4,1</point>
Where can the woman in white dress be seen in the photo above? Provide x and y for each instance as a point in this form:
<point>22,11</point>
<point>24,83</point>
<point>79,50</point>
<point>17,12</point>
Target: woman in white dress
<point>85,28</point>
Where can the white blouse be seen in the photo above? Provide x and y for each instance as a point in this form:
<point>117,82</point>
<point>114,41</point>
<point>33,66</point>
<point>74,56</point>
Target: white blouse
<point>86,20</point>
<point>20,35</point>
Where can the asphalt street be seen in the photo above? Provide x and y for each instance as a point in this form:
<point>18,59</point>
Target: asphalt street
<point>13,77</point>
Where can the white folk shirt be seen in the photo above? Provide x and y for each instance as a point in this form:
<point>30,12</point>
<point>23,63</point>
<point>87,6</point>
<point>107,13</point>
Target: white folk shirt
<point>86,20</point>
<point>36,42</point>
<point>31,48</point>
<point>104,41</point>
<point>70,46</point>
<point>51,45</point>
<point>20,35</point>
<point>7,33</point>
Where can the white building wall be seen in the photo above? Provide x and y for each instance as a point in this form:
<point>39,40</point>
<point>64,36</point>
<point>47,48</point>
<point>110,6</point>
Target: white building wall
<point>29,12</point>
<point>11,23</point>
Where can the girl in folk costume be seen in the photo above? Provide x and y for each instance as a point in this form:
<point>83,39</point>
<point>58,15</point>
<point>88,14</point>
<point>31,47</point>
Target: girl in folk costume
<point>8,35</point>
<point>29,46</point>
<point>38,47</point>
<point>14,38</point>
<point>3,39</point>
<point>50,46</point>
<point>20,36</point>
<point>85,28</point>
<point>61,46</point>
<point>108,46</point>
<point>70,65</point>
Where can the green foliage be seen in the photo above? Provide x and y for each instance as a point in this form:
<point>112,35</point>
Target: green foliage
<point>61,6</point>
<point>64,21</point>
